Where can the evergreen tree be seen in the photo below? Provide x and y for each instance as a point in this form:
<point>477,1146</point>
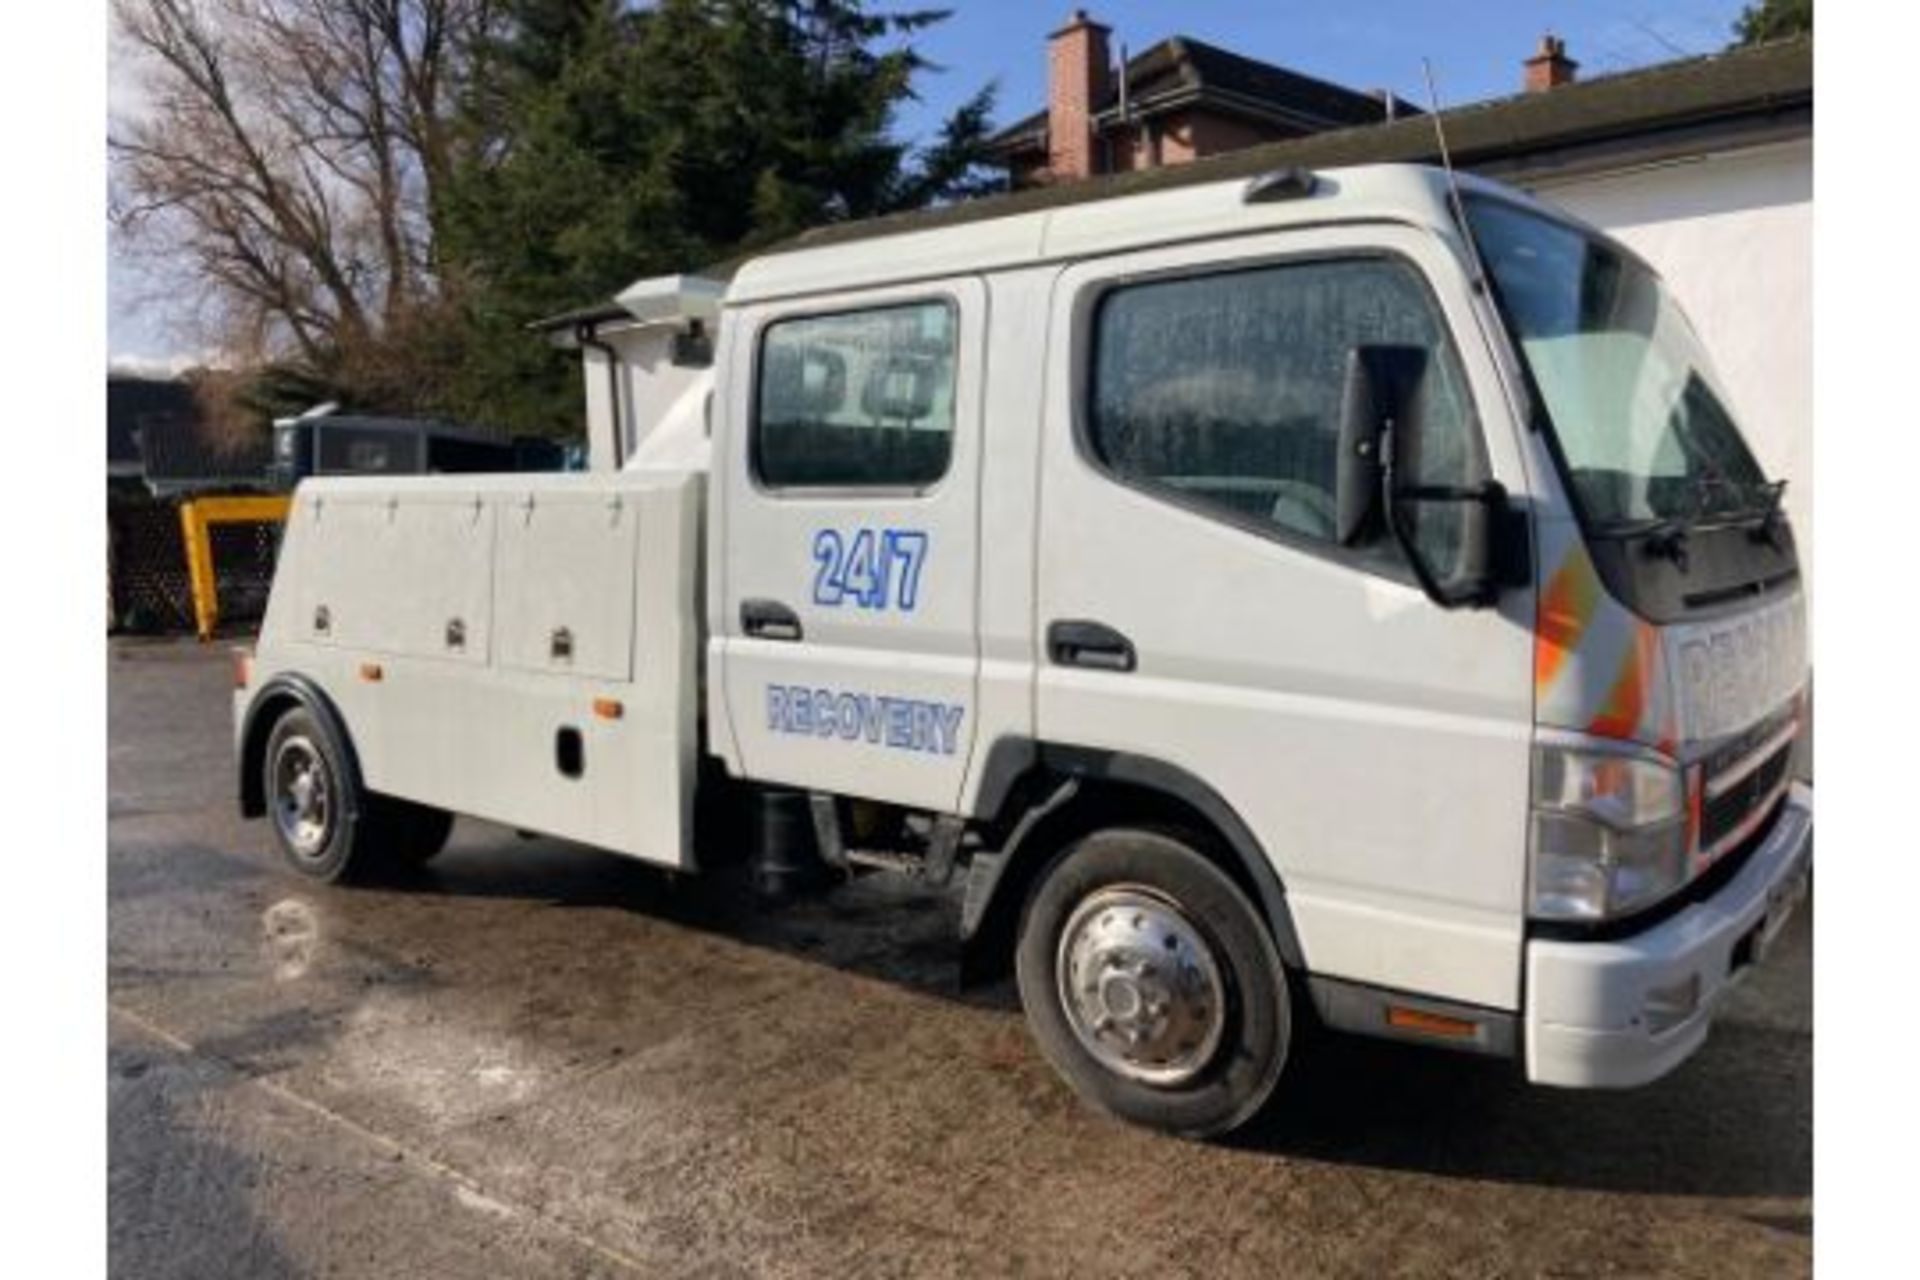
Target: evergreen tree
<point>624,142</point>
<point>1773,20</point>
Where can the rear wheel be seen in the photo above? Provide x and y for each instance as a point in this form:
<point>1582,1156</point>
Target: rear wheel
<point>327,826</point>
<point>1152,984</point>
<point>318,814</point>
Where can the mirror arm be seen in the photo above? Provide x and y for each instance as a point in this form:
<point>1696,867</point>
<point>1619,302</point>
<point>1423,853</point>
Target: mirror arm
<point>1490,493</point>
<point>1486,491</point>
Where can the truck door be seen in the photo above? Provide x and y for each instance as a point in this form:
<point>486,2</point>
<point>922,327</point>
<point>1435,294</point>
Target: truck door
<point>1195,607</point>
<point>846,637</point>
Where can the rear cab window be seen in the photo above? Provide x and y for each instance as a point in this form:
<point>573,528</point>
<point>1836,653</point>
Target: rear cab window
<point>859,399</point>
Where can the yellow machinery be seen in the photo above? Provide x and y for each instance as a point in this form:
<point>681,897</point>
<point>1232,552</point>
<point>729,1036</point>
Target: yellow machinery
<point>199,516</point>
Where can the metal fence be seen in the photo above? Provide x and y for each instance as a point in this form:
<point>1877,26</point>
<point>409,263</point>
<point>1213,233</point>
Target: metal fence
<point>148,585</point>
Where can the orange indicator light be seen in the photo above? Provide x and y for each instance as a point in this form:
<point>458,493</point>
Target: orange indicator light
<point>1404,1019</point>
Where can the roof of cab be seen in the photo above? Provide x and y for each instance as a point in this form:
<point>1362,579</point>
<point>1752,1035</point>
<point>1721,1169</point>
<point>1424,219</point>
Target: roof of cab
<point>1391,192</point>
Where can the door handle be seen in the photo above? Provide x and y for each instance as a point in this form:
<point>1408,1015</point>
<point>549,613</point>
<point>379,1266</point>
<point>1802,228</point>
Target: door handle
<point>769,620</point>
<point>1079,643</point>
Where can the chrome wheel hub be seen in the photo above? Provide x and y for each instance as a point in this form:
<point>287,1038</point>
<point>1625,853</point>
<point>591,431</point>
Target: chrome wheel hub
<point>1140,985</point>
<point>302,796</point>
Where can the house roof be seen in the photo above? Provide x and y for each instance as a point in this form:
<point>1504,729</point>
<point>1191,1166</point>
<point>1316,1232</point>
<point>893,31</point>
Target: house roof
<point>1182,71</point>
<point>1749,94</point>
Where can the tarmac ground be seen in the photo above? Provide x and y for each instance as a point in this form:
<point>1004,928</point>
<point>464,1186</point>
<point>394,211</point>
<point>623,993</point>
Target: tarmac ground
<point>543,1060</point>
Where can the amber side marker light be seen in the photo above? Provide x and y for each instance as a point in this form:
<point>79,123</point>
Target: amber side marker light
<point>371,672</point>
<point>242,666</point>
<point>1404,1019</point>
<point>609,708</point>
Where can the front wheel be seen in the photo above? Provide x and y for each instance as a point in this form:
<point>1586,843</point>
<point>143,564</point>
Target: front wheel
<point>1152,984</point>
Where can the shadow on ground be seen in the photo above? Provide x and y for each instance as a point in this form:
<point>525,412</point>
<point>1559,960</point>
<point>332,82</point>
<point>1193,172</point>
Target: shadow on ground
<point>1344,1101</point>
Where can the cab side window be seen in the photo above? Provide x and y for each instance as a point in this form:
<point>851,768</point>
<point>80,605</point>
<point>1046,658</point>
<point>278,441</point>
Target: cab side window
<point>857,399</point>
<point>1223,391</point>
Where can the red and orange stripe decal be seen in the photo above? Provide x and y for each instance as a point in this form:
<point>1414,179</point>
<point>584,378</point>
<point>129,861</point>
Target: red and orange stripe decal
<point>1627,700</point>
<point>1566,607</point>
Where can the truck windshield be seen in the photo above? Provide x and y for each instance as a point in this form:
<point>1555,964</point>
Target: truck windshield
<point>1645,435</point>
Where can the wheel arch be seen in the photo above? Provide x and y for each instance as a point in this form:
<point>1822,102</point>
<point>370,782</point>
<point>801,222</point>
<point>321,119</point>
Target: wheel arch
<point>279,695</point>
<point>1040,797</point>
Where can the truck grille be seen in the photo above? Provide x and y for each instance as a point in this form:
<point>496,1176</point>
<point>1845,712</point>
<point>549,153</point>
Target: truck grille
<point>1726,811</point>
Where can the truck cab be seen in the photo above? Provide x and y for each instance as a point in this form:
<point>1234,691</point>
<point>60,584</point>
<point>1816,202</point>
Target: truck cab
<point>1337,595</point>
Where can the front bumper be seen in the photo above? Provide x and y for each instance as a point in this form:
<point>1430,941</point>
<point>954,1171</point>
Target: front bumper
<point>1621,1013</point>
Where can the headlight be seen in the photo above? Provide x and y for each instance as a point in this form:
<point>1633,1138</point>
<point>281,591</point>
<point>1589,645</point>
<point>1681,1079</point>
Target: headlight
<point>1608,833</point>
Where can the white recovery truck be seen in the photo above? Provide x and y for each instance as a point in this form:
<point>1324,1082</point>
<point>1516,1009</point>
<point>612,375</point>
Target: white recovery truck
<point>1341,596</point>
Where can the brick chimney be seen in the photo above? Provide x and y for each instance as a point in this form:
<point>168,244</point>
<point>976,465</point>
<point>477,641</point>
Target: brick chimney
<point>1550,67</point>
<point>1079,81</point>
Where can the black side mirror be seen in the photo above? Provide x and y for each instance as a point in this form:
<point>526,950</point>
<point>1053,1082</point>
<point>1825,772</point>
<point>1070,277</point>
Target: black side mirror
<point>1450,533</point>
<point>1381,384</point>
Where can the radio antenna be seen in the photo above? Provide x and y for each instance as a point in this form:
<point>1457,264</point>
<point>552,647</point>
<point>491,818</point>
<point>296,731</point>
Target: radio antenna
<point>1453,180</point>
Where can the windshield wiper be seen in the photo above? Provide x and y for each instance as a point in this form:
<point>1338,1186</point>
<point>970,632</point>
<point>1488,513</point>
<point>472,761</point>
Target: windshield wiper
<point>1670,540</point>
<point>1664,537</point>
<point>1667,539</point>
<point>1768,516</point>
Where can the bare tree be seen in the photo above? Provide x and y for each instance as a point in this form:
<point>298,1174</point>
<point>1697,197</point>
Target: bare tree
<point>289,159</point>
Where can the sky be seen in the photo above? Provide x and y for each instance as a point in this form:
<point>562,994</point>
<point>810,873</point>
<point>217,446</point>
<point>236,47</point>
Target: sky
<point>1476,47</point>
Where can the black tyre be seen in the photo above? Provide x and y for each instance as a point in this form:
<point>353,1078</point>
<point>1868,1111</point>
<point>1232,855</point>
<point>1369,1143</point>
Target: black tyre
<point>327,826</point>
<point>320,816</point>
<point>1153,985</point>
<point>411,833</point>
